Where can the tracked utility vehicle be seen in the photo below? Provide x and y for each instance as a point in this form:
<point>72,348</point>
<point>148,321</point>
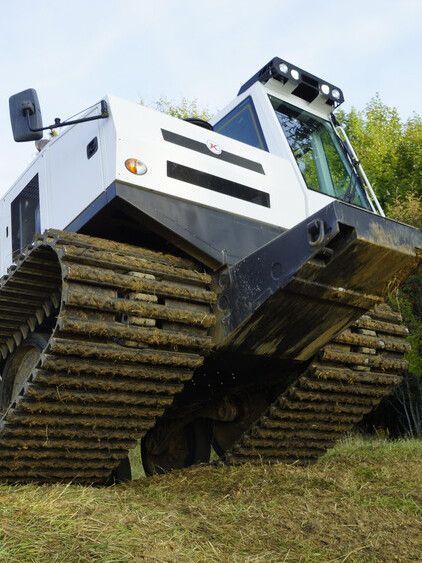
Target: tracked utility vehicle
<point>188,285</point>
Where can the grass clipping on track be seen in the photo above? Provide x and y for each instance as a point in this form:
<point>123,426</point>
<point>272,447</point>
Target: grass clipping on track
<point>358,503</point>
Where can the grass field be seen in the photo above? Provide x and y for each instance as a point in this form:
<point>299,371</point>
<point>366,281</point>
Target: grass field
<point>361,502</point>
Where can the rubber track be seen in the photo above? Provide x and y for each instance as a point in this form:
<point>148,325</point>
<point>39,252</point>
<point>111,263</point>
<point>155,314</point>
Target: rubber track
<point>125,341</point>
<point>349,378</point>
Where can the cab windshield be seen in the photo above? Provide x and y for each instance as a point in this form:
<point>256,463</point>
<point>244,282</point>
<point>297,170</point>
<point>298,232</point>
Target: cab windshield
<point>319,155</point>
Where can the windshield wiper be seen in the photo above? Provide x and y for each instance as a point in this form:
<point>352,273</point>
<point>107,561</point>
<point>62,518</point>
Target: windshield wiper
<point>350,193</point>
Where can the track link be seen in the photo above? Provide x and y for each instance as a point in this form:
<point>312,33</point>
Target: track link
<point>127,328</point>
<point>349,378</point>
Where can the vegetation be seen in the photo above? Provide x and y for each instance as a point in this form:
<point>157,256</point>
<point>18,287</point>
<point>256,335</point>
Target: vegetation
<point>390,150</point>
<point>361,502</point>
<point>406,208</point>
<point>183,110</point>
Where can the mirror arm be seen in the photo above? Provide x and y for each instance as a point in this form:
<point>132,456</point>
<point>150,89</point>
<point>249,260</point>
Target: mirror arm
<point>28,109</point>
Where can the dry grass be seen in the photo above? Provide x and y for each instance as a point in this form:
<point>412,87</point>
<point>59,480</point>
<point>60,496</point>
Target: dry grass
<point>359,503</point>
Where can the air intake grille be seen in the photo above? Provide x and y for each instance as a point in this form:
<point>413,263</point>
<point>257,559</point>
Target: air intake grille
<point>217,184</point>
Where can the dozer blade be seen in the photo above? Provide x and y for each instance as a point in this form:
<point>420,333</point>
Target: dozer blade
<point>292,296</point>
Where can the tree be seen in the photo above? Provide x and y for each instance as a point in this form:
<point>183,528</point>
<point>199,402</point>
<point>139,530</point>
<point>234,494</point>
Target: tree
<point>183,110</point>
<point>390,150</point>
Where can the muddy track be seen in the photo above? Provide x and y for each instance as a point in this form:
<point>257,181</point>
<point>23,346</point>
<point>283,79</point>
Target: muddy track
<point>126,328</point>
<point>349,378</point>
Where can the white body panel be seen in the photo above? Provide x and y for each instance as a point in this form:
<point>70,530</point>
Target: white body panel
<point>73,190</point>
<point>139,136</point>
<point>68,181</point>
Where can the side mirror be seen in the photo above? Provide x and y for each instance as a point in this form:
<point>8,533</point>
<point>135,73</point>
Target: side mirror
<point>25,116</point>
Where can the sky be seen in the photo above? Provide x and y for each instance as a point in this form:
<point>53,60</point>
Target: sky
<point>74,52</point>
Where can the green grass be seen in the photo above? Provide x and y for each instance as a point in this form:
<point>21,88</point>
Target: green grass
<point>361,502</point>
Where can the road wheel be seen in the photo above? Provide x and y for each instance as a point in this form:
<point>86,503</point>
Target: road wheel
<point>175,446</point>
<point>18,367</point>
<point>226,434</point>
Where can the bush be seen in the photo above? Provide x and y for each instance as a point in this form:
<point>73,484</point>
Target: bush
<point>400,414</point>
<point>406,209</point>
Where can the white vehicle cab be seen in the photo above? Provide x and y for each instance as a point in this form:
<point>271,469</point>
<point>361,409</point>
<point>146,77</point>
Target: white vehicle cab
<point>274,157</point>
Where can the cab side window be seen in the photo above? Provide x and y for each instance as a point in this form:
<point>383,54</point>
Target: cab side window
<point>243,125</point>
<point>25,210</point>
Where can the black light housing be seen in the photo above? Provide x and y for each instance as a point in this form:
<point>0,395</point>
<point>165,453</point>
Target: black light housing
<point>308,87</point>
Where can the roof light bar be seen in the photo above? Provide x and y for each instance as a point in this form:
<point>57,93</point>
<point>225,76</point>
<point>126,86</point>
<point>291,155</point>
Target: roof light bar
<point>307,86</point>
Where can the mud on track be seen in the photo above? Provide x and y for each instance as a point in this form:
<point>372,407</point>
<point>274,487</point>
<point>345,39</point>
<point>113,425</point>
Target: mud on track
<point>123,338</point>
<point>348,379</point>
